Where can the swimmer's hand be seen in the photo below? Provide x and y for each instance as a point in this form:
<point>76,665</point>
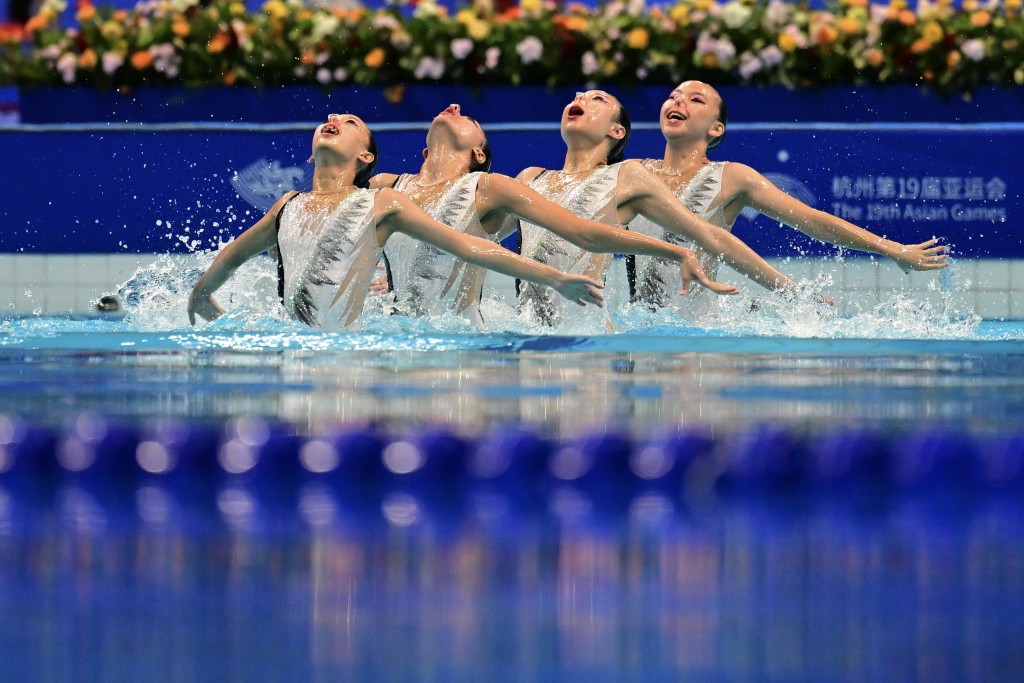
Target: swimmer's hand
<point>690,269</point>
<point>379,285</point>
<point>206,307</point>
<point>928,255</point>
<point>579,289</point>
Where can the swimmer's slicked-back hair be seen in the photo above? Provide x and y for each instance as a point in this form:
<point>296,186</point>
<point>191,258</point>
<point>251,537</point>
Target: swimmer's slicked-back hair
<point>723,116</point>
<point>618,150</point>
<point>484,166</point>
<point>363,175</point>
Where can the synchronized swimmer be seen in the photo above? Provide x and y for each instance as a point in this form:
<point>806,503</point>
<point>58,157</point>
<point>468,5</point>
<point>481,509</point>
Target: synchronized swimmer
<point>436,230</point>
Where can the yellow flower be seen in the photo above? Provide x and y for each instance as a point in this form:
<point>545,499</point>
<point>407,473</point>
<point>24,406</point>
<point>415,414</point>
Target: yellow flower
<point>875,58</point>
<point>849,25</point>
<point>478,29</point>
<point>236,9</point>
<point>638,38</point>
<point>787,43</point>
<point>709,61</point>
<point>87,60</point>
<point>932,32</point>
<point>970,5</point>
<point>703,5</point>
<point>303,15</point>
<point>111,30</point>
<point>374,58</point>
<point>907,18</point>
<point>680,14</point>
<point>530,6</point>
<point>1012,5</point>
<point>952,58</point>
<point>609,67</point>
<point>276,9</point>
<point>465,16</point>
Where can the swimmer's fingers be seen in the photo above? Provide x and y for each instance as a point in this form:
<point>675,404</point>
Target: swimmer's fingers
<point>581,290</point>
<point>716,287</point>
<point>928,255</point>
<point>379,285</point>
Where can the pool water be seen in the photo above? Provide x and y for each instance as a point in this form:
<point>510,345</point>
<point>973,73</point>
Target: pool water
<point>844,500</point>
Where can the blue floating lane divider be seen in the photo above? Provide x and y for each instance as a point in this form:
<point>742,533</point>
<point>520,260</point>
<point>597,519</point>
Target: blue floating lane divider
<point>369,470</point>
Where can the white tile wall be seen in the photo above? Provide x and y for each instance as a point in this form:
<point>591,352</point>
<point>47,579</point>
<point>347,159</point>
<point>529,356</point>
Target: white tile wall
<point>992,288</point>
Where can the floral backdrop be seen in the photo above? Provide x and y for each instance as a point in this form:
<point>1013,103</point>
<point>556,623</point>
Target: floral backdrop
<point>179,42</point>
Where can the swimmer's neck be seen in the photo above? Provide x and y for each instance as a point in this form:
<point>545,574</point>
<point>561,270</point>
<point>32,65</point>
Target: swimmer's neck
<point>580,158</point>
<point>684,155</point>
<point>443,162</point>
<point>327,177</point>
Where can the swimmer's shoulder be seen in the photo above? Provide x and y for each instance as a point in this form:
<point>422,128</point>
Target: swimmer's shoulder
<point>383,180</point>
<point>530,173</point>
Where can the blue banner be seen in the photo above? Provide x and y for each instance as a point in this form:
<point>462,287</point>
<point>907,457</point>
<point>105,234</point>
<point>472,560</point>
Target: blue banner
<point>173,188</point>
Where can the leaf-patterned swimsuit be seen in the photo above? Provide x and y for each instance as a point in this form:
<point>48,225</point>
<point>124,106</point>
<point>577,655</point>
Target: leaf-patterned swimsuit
<point>591,197</point>
<point>429,281</point>
<point>658,280</point>
<point>327,258</point>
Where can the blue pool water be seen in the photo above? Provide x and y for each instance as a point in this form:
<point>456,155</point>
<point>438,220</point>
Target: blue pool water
<point>841,500</point>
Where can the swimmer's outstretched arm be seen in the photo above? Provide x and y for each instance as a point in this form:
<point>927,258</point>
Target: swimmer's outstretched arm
<point>756,191</point>
<point>504,195</point>
<point>398,213</point>
<point>643,193</point>
<point>256,240</point>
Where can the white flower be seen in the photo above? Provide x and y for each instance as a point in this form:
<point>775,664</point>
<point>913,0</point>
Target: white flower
<point>111,62</point>
<point>340,74</point>
<point>636,7</point>
<point>300,71</point>
<point>776,13</point>
<point>67,65</point>
<point>323,26</point>
<point>491,57</point>
<point>385,21</point>
<point>323,76</point>
<point>735,15</point>
<point>426,9</point>
<point>530,49</point>
<point>973,49</point>
<point>461,47</point>
<point>590,64</point>
<point>182,5</point>
<point>55,6</point>
<point>50,52</point>
<point>429,67</point>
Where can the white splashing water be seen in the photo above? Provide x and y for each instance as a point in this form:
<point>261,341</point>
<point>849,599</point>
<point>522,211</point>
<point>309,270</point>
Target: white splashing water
<point>156,299</point>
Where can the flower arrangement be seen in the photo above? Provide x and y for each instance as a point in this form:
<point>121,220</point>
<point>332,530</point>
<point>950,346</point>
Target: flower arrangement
<point>620,43</point>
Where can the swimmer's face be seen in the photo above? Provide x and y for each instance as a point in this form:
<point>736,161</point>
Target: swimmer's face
<point>342,133</point>
<point>464,131</point>
<point>691,110</point>
<point>592,110</point>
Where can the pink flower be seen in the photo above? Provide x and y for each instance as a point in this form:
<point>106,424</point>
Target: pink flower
<point>461,47</point>
<point>429,67</point>
<point>589,64</point>
<point>67,65</point>
<point>530,49</point>
<point>111,62</point>
<point>973,49</point>
<point>749,65</point>
<point>771,56</point>
<point>491,57</point>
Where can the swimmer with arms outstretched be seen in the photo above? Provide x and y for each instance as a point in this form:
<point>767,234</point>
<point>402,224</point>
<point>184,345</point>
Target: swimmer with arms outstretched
<point>330,239</point>
<point>693,121</point>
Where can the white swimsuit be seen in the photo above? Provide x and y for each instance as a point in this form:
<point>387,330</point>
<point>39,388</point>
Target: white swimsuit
<point>328,257</point>
<point>593,198</point>
<point>658,280</point>
<point>429,281</point>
